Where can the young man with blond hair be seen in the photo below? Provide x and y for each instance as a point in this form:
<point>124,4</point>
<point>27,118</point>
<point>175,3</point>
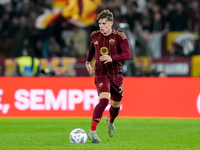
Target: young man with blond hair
<point>109,47</point>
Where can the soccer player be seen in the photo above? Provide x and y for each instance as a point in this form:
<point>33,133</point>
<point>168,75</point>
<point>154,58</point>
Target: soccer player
<point>109,47</point>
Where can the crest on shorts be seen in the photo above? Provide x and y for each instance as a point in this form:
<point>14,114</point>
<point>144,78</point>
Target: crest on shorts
<point>104,51</point>
<point>100,84</point>
<point>112,41</point>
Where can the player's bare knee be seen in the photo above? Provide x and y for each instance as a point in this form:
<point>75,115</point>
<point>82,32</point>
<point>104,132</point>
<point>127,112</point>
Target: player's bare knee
<point>104,95</point>
<point>115,104</point>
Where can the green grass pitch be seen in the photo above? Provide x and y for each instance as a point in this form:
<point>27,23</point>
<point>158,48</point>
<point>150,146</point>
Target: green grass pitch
<point>130,134</point>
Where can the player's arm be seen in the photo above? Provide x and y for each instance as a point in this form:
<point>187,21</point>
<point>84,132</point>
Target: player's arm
<point>89,68</point>
<point>90,56</point>
<point>125,47</point>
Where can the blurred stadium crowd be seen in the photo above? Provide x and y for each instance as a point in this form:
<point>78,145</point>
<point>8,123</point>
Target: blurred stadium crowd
<point>139,19</point>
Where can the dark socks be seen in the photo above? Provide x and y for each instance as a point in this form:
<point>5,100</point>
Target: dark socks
<point>98,112</point>
<point>113,113</point>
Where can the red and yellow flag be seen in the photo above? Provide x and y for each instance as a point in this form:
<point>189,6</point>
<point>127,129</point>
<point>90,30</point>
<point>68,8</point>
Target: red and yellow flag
<point>80,12</point>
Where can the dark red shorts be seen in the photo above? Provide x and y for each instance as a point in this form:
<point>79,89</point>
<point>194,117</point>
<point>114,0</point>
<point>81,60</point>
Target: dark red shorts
<point>104,84</point>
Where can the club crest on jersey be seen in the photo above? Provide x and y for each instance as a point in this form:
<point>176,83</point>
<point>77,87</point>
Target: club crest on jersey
<point>104,51</point>
<point>112,41</point>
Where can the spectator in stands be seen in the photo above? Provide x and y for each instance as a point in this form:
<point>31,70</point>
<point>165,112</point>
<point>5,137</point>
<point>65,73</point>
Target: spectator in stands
<point>178,19</point>
<point>20,36</point>
<point>25,7</point>
<point>117,14</point>
<point>27,64</point>
<point>77,42</point>
<point>54,47</point>
<point>193,17</point>
<point>141,46</point>
<point>141,4</point>
<point>132,16</point>
<point>166,13</point>
<point>17,21</point>
<point>7,13</point>
<point>158,24</point>
<point>57,71</point>
<point>146,20</point>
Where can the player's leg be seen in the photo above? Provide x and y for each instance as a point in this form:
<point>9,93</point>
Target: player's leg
<point>99,109</point>
<point>115,101</point>
<point>114,110</point>
<point>103,88</point>
<point>97,115</point>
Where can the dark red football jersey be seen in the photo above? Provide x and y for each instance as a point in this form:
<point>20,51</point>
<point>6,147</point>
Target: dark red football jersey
<point>116,45</point>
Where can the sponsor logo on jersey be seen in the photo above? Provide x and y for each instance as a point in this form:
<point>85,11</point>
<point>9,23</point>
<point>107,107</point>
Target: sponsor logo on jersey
<point>104,51</point>
<point>96,43</point>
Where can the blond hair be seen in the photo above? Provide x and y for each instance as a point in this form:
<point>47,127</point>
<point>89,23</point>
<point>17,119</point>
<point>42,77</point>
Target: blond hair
<point>105,14</point>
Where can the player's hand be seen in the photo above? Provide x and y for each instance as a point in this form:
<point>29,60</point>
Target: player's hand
<point>106,58</point>
<point>89,68</point>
